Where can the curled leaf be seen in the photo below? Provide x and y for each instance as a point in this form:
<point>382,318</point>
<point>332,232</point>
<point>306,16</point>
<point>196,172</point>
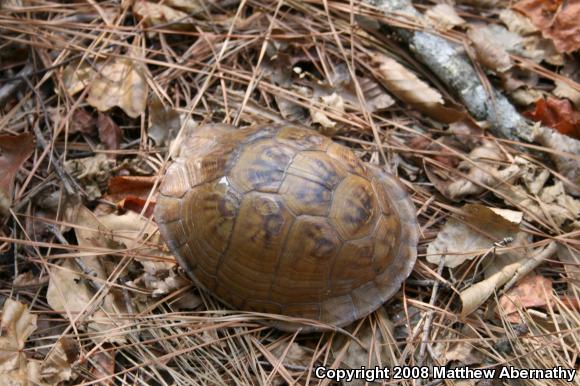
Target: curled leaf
<point>405,85</point>
<point>489,52</point>
<point>517,22</point>
<point>444,16</point>
<point>505,269</point>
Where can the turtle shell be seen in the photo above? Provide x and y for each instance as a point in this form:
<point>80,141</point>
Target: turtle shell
<point>280,219</point>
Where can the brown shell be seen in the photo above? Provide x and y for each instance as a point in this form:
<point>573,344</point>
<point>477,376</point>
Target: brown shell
<point>280,219</point>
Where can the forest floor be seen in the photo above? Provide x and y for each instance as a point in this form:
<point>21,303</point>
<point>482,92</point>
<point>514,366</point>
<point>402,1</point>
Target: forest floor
<point>94,94</point>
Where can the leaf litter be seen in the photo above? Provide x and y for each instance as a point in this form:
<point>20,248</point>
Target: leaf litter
<point>92,295</point>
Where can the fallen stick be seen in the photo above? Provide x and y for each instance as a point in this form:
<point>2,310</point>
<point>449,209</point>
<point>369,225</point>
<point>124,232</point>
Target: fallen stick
<point>449,63</point>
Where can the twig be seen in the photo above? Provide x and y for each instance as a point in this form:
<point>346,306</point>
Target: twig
<point>430,313</point>
<point>535,260</point>
<point>13,85</point>
<point>427,283</point>
<point>70,184</point>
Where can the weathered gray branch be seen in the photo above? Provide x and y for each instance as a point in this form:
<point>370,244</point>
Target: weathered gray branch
<point>450,64</point>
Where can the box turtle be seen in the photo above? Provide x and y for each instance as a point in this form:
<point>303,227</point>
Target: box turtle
<point>280,219</point>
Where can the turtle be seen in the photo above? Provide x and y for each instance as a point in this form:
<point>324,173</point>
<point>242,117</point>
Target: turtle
<point>280,219</point>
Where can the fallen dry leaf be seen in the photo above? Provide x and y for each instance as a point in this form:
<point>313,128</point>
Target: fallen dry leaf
<point>517,22</point>
<point>129,229</point>
<point>136,204</point>
<point>459,348</point>
<point>17,325</point>
<point>164,121</point>
<point>190,6</point>
<point>557,19</point>
<point>105,360</point>
<point>443,16</point>
<point>340,93</point>
<point>279,68</point>
<point>564,90</point>
<point>14,151</point>
<point>71,288</point>
<point>77,77</point>
<point>557,114</point>
<point>293,354</point>
<point>92,172</point>
<point>375,96</point>
<point>556,206</point>
<point>506,267</point>
<point>532,291</point>
<point>468,132</point>
<point>530,43</point>
<point>53,370</point>
<point>29,280</point>
<point>489,50</point>
<point>109,132</point>
<point>571,261</point>
<point>153,14</point>
<point>481,227</point>
<point>82,122</point>
<point>524,97</point>
<point>563,145</point>
<point>118,82</point>
<point>376,350</point>
<point>131,193</point>
<point>405,85</point>
<point>538,49</point>
<point>123,186</point>
<point>70,294</point>
<point>332,102</point>
<point>472,176</point>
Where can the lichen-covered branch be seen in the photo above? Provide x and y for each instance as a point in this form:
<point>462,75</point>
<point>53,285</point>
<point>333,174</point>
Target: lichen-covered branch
<point>447,61</point>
